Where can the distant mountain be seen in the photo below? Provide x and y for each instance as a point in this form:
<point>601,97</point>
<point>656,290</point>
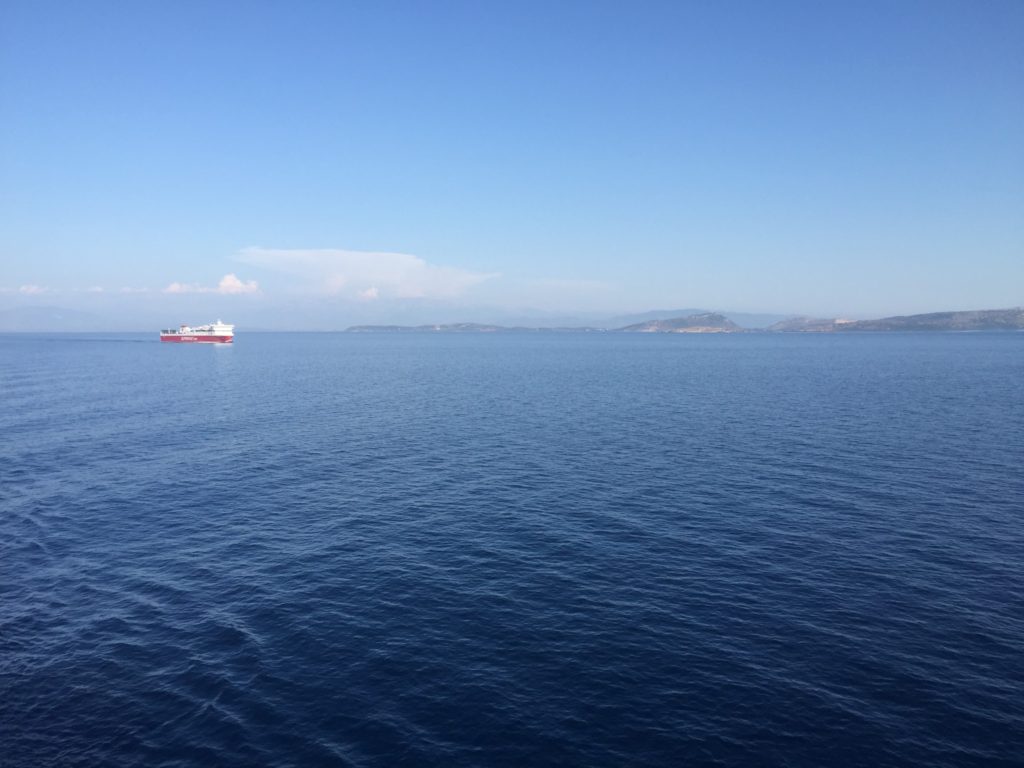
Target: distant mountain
<point>461,328</point>
<point>806,325</point>
<point>635,318</point>
<point>715,322</point>
<point>445,328</point>
<point>742,319</point>
<point>704,322</point>
<point>709,322</point>
<point>977,320</point>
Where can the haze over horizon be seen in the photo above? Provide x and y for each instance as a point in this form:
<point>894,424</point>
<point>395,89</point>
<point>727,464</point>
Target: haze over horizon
<point>327,165</point>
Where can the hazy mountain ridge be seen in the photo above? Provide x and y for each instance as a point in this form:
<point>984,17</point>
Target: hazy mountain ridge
<point>50,319</point>
<point>709,322</point>
<point>714,322</point>
<point>975,320</point>
<point>752,320</point>
<point>972,320</point>
<point>807,325</point>
<point>465,328</point>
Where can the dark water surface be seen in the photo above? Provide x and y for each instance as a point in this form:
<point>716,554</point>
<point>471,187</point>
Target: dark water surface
<point>608,550</point>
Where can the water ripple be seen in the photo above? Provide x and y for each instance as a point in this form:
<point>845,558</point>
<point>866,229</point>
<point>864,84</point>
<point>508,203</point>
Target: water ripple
<point>544,550</point>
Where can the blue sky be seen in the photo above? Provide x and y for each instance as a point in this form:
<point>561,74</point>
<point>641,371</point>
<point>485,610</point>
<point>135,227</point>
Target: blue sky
<point>381,160</point>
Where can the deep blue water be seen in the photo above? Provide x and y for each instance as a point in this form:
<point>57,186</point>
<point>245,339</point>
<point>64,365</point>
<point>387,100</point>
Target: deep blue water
<point>548,550</point>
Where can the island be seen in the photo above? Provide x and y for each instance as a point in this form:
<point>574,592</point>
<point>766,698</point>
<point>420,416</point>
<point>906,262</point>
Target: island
<point>715,322</point>
<point>976,320</point>
<point>710,322</point>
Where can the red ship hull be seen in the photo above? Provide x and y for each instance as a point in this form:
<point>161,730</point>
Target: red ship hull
<point>186,339</point>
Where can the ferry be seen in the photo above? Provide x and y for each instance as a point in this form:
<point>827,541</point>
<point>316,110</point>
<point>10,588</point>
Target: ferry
<point>212,333</point>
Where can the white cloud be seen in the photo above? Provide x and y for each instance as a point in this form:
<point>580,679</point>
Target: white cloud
<point>229,284</point>
<point>183,288</point>
<point>366,275</point>
<point>32,290</point>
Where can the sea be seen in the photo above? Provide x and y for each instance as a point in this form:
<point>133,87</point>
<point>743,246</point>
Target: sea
<point>518,550</point>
